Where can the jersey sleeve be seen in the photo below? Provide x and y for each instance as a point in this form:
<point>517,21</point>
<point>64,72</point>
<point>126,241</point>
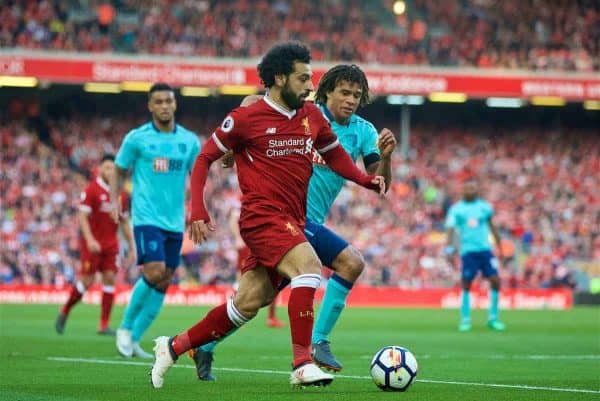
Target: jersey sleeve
<point>87,200</point>
<point>451,218</point>
<point>127,152</point>
<point>489,210</point>
<point>230,134</point>
<point>368,147</point>
<point>193,154</point>
<point>326,139</point>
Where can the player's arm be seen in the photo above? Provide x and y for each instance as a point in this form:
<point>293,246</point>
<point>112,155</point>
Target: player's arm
<point>127,232</point>
<point>219,143</point>
<point>450,249</point>
<point>125,227</point>
<point>234,218</point>
<point>383,164</point>
<point>84,225</point>
<point>497,239</point>
<point>124,159</point>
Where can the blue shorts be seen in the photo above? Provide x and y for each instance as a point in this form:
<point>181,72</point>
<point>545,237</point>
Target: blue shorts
<point>473,262</point>
<point>327,244</point>
<point>157,245</point>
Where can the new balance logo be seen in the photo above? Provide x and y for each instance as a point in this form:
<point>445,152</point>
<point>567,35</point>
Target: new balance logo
<point>271,130</point>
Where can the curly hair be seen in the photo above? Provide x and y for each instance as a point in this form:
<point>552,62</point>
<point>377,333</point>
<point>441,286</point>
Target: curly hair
<point>280,60</point>
<point>343,72</point>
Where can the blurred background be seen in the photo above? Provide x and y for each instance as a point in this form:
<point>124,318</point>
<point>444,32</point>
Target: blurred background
<point>506,91</point>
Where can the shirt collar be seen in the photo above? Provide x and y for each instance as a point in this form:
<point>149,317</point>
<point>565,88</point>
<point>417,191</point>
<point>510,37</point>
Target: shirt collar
<point>278,108</point>
<point>102,184</point>
<point>161,132</point>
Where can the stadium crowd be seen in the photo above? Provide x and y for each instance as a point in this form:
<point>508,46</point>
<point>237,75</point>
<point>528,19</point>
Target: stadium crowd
<point>532,34</point>
<point>542,184</point>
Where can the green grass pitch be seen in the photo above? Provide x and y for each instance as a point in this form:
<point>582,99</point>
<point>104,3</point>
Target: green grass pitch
<point>544,355</point>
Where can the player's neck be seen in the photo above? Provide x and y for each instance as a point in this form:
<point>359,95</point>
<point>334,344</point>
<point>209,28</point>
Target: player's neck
<point>336,118</point>
<point>275,97</point>
<point>166,128</point>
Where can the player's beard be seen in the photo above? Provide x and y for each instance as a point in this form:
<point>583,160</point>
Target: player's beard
<point>293,101</point>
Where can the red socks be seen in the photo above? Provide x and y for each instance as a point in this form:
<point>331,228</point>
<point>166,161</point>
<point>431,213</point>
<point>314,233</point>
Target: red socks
<point>301,313</point>
<point>108,297</point>
<point>215,325</point>
<point>74,297</point>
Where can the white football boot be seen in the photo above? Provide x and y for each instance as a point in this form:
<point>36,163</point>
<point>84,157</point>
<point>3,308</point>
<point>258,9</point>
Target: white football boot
<point>162,361</point>
<point>309,374</point>
<point>124,346</point>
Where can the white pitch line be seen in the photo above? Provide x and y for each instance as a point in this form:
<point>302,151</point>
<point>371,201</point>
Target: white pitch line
<point>279,372</point>
<point>589,357</point>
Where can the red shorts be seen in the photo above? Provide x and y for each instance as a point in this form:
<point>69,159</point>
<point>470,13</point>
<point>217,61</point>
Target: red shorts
<point>103,261</point>
<point>269,238</point>
<point>243,254</point>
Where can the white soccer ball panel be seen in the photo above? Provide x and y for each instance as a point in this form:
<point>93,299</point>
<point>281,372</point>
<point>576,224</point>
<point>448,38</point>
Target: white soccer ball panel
<point>411,361</point>
<point>378,375</point>
<point>400,378</point>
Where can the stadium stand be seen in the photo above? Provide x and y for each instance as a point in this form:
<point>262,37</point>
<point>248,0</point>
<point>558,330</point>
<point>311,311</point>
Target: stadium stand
<point>542,183</point>
<point>475,33</point>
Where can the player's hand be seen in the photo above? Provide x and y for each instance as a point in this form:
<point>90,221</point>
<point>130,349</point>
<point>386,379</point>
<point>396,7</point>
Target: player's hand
<point>380,182</point>
<point>94,246</point>
<point>115,212</point>
<point>386,142</point>
<point>130,259</point>
<point>227,160</point>
<point>199,231</point>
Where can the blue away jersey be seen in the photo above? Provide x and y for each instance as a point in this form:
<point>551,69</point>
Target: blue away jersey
<point>359,138</point>
<point>471,221</point>
<point>161,163</point>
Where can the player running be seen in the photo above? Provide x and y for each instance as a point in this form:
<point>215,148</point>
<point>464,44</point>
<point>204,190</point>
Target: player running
<point>342,90</point>
<point>471,218</point>
<point>99,245</point>
<point>161,154</point>
<point>272,141</point>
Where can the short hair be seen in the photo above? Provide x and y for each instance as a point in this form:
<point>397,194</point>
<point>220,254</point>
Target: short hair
<point>343,72</point>
<point>159,86</point>
<point>107,156</point>
<point>280,60</point>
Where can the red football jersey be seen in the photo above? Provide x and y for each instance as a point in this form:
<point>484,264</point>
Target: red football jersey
<point>273,151</point>
<point>95,201</point>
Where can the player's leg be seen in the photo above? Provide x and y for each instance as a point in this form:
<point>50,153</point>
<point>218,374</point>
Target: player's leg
<point>491,273</point>
<point>272,320</point>
<point>89,262</point>
<point>469,270</point>
<point>161,280</point>
<point>108,297</point>
<point>302,266</point>
<point>254,289</point>
<point>150,253</point>
<point>348,264</point>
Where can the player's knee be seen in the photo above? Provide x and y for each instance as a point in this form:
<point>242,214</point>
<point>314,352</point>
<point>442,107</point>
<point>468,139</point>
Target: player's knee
<point>154,273</point>
<point>355,263</point>
<point>86,281</point>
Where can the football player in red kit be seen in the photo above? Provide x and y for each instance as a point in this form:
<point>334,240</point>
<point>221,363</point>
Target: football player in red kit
<point>99,245</point>
<point>272,142</point>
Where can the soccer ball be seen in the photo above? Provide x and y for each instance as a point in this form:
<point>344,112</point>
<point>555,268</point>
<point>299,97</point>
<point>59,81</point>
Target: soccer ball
<point>394,368</point>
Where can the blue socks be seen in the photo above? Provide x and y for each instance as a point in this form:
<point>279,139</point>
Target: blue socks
<point>331,307</point>
<point>138,299</point>
<point>493,313</point>
<point>465,307</point>
<point>147,314</point>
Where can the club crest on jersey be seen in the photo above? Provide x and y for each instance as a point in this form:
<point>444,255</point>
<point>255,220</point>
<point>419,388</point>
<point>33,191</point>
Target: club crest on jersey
<point>306,125</point>
<point>227,124</point>
<point>291,228</point>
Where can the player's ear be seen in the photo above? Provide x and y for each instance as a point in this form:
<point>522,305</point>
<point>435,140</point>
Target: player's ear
<point>280,80</point>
